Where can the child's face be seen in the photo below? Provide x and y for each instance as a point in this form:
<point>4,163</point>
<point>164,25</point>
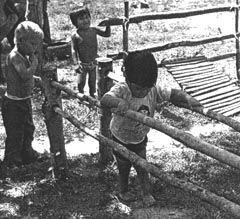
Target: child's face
<point>28,46</point>
<point>138,91</point>
<point>84,21</point>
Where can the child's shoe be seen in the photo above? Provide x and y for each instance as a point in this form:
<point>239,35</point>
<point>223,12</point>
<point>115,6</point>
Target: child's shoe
<point>126,196</point>
<point>148,200</point>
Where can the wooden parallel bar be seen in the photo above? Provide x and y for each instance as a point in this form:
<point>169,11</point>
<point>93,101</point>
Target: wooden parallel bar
<point>197,74</point>
<point>167,63</point>
<point>180,70</point>
<point>194,72</point>
<point>193,79</point>
<point>172,65</point>
<point>228,108</point>
<point>210,89</point>
<point>207,85</point>
<point>217,92</point>
<point>232,112</point>
<point>191,66</point>
<point>209,105</point>
<point>203,82</point>
<point>225,103</point>
<point>219,97</point>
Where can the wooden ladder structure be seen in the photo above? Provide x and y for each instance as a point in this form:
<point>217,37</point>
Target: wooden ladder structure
<point>202,80</point>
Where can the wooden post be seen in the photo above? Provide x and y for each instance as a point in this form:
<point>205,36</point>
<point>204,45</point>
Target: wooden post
<point>125,26</point>
<point>103,85</point>
<point>46,27</point>
<point>54,122</point>
<point>237,40</point>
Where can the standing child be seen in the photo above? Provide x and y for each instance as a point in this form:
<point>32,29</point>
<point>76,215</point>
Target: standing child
<point>21,65</point>
<point>84,48</point>
<point>139,93</point>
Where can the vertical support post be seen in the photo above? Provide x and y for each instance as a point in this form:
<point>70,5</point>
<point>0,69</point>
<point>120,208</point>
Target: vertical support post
<point>46,27</point>
<point>125,26</point>
<point>237,40</point>
<point>54,122</point>
<point>104,83</point>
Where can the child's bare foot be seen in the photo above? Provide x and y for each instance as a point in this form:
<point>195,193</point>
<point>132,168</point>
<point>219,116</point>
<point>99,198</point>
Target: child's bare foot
<point>148,200</point>
<point>126,196</point>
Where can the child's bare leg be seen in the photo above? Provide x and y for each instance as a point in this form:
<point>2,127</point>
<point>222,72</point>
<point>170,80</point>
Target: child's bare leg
<point>81,81</point>
<point>144,180</point>
<point>92,81</point>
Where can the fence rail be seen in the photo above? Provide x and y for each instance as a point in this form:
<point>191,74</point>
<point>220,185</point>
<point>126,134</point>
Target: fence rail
<point>125,21</point>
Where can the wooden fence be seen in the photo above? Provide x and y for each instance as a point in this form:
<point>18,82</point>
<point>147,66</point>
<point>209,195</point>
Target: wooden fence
<point>54,115</point>
<point>181,136</point>
<point>127,20</point>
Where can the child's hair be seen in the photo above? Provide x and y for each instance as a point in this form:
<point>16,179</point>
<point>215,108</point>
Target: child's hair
<point>141,69</point>
<point>28,30</point>
<point>79,13</point>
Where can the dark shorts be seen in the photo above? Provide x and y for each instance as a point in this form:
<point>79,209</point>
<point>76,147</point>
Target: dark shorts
<point>139,149</point>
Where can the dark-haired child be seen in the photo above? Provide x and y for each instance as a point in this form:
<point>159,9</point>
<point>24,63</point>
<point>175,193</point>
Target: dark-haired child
<point>84,48</point>
<point>140,93</point>
<point>21,66</point>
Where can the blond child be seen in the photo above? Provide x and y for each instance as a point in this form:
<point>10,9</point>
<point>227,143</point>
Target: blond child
<point>21,66</point>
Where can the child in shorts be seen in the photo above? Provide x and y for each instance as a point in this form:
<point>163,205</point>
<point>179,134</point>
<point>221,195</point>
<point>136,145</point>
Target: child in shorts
<point>84,47</point>
<point>21,66</point>
<point>139,93</point>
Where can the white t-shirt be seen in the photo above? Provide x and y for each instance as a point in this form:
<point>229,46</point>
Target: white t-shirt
<point>127,130</point>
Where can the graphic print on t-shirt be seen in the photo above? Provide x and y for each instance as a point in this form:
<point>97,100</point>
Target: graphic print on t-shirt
<point>145,111</point>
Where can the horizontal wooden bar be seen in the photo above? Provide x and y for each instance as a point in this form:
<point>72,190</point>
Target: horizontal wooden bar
<point>190,66</point>
<point>206,85</point>
<point>190,79</point>
<point>230,98</point>
<point>229,108</point>
<point>202,72</point>
<point>210,89</point>
<point>219,97</point>
<point>217,92</point>
<point>225,103</point>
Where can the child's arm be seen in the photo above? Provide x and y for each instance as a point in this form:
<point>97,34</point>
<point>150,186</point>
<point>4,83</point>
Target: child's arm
<point>107,32</point>
<point>114,102</point>
<point>75,55</point>
<point>25,73</point>
<point>182,99</point>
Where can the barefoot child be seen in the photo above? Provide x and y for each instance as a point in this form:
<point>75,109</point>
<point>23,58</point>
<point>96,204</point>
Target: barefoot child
<point>21,65</point>
<point>140,93</point>
<point>84,48</point>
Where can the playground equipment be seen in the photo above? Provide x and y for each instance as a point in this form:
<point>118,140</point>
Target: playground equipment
<point>181,136</point>
<point>54,115</point>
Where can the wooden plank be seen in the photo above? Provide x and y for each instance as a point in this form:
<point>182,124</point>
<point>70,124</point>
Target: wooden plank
<point>208,105</point>
<point>211,73</point>
<point>191,66</point>
<point>219,97</point>
<point>203,82</point>
<point>188,74</point>
<point>217,92</point>
<point>212,88</point>
<point>192,79</point>
<point>232,112</point>
<point>225,103</point>
<point>184,60</point>
<point>228,108</point>
<point>220,81</point>
<point>180,70</point>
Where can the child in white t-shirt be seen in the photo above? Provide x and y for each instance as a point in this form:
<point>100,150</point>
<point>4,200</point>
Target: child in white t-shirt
<point>138,93</point>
